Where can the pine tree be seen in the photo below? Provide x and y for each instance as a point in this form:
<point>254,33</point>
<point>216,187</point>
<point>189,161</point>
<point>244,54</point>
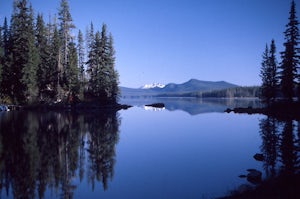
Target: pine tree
<point>264,74</point>
<point>269,74</point>
<point>66,26</point>
<point>89,38</point>
<point>103,82</point>
<point>7,80</point>
<point>55,46</point>
<point>24,53</point>
<point>114,76</point>
<point>93,64</point>
<point>29,72</point>
<point>44,68</point>
<point>1,57</point>
<point>273,68</point>
<point>72,81</point>
<point>290,57</point>
<point>81,62</point>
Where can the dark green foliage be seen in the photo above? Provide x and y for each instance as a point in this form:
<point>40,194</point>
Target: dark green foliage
<point>268,74</point>
<point>234,92</point>
<point>81,62</point>
<point>65,27</point>
<point>55,45</point>
<point>238,92</point>
<point>45,68</point>
<point>103,76</point>
<point>5,84</point>
<point>290,56</point>
<point>71,70</point>
<point>40,63</point>
<point>24,54</point>
<point>113,74</point>
<point>1,55</point>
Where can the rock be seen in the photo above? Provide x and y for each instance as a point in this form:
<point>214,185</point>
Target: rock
<point>4,108</point>
<point>254,176</point>
<point>242,176</point>
<point>228,110</point>
<point>244,188</point>
<point>259,157</point>
<point>156,105</point>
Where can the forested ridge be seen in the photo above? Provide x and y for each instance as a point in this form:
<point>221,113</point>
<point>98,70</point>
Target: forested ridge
<point>47,62</point>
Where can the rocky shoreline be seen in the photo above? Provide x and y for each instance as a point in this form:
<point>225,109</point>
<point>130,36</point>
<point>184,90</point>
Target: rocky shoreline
<point>66,106</point>
<point>281,109</point>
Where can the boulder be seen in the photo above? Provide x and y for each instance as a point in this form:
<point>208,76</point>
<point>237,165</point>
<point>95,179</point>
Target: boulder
<point>254,176</point>
<point>259,157</point>
<point>3,108</point>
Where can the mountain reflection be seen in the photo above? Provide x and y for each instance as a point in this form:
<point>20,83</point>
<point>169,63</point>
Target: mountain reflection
<point>42,151</point>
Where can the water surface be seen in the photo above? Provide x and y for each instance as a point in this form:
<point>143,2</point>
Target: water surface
<point>135,153</point>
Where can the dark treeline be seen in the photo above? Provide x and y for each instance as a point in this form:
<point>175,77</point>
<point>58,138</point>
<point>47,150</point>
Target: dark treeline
<point>47,151</point>
<point>236,92</point>
<point>45,62</point>
<point>282,80</point>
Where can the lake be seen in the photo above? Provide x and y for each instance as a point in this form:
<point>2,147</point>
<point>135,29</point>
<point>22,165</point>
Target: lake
<point>189,149</point>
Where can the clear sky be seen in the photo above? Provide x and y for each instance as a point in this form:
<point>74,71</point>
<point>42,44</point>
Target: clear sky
<point>167,41</point>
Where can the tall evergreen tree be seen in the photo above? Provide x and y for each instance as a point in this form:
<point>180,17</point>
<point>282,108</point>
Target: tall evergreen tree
<point>72,81</point>
<point>24,53</point>
<point>44,68</point>
<point>268,74</point>
<point>55,46</point>
<point>93,64</point>
<point>103,82</point>
<point>290,56</point>
<point>81,62</point>
<point>1,56</point>
<point>66,26</point>
<point>7,81</point>
<point>29,72</point>
<point>114,75</point>
<point>273,68</point>
<point>89,37</point>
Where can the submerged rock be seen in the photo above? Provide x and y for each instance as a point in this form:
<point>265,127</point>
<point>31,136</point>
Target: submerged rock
<point>254,176</point>
<point>156,105</point>
<point>259,157</point>
<point>4,108</point>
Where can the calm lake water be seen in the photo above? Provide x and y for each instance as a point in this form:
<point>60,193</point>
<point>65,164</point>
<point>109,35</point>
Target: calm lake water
<point>190,149</point>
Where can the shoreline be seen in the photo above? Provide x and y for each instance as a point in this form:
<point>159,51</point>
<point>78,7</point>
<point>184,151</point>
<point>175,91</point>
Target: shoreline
<point>281,110</point>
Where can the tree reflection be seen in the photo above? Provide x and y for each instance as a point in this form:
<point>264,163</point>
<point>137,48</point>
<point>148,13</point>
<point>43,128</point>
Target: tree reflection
<point>280,146</point>
<point>40,151</point>
<point>270,136</point>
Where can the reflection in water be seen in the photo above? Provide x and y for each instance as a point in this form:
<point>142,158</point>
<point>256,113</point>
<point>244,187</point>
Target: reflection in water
<point>195,106</point>
<point>280,146</point>
<point>270,138</point>
<point>280,156</point>
<point>48,150</point>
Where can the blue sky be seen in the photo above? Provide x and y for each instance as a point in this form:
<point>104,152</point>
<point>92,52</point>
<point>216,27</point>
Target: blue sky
<point>174,40</point>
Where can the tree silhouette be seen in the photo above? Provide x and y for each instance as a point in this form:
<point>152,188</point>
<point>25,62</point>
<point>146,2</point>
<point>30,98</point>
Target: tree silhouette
<point>290,56</point>
<point>270,138</point>
<point>268,74</point>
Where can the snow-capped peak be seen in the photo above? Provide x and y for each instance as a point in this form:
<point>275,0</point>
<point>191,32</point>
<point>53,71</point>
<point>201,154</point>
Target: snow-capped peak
<point>153,85</point>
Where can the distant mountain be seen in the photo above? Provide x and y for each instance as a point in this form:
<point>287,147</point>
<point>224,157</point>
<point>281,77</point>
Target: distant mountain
<point>192,85</point>
<point>154,85</point>
<point>195,85</point>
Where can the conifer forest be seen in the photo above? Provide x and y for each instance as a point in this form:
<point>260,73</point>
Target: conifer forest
<point>47,62</point>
